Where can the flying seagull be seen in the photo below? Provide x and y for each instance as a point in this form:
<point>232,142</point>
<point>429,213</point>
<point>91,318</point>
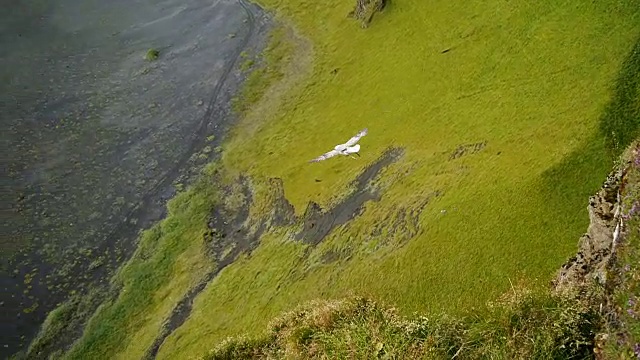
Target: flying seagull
<point>348,148</point>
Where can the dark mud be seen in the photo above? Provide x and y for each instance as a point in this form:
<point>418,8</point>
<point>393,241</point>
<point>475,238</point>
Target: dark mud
<point>229,236</point>
<point>99,138</point>
<point>283,213</point>
<point>318,223</point>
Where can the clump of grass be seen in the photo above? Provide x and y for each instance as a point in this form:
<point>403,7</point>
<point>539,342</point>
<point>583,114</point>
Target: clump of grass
<point>99,261</point>
<point>54,324</point>
<point>152,55</point>
<point>522,324</point>
<point>246,65</point>
<point>63,324</point>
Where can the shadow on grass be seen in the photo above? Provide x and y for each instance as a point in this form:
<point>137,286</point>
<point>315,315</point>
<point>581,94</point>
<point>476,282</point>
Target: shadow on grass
<point>584,170</point>
<point>620,123</point>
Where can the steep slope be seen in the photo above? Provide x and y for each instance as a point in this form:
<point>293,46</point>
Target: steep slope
<point>473,175</point>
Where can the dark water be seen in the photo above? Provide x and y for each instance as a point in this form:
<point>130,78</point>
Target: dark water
<point>94,135</point>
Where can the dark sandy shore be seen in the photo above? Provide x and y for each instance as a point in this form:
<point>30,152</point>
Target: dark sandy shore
<point>96,137</point>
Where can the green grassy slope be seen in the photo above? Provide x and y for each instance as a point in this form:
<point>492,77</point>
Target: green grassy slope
<point>530,79</point>
<point>520,324</point>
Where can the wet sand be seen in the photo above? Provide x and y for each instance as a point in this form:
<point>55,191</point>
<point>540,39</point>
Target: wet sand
<point>97,137</point>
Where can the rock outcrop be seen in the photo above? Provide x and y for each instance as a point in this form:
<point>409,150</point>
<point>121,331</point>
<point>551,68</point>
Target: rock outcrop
<point>365,9</point>
<point>597,246</point>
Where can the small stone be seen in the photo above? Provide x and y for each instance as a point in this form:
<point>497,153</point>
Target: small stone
<point>200,103</point>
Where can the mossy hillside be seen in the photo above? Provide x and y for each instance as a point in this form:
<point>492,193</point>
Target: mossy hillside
<point>532,80</point>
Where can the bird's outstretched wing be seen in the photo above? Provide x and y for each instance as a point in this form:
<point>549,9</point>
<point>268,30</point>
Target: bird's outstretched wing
<point>325,156</point>
<point>354,140</point>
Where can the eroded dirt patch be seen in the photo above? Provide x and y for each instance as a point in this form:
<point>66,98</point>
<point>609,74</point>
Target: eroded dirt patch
<point>318,223</point>
<point>335,255</point>
<point>229,235</point>
<point>283,212</point>
<point>364,10</point>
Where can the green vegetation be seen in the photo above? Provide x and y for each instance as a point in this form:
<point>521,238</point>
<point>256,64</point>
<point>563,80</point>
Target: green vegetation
<point>522,325</point>
<point>56,322</point>
<point>246,65</point>
<point>532,79</point>
<point>63,325</point>
<point>265,74</point>
<point>152,55</point>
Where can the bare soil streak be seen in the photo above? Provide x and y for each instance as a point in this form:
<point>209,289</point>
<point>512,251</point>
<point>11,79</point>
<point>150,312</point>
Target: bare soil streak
<point>318,223</point>
<point>228,237</point>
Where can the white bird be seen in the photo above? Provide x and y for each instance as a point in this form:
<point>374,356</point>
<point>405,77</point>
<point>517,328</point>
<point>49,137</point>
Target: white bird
<point>348,148</point>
